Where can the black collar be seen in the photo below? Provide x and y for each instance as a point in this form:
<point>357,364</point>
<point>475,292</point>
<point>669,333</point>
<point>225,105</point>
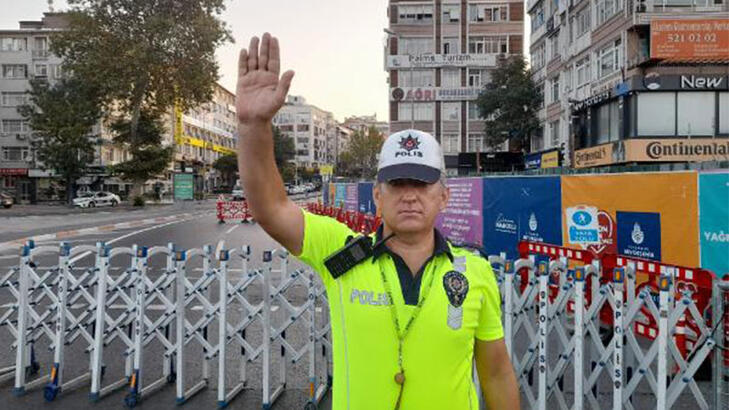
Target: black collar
<point>441,245</point>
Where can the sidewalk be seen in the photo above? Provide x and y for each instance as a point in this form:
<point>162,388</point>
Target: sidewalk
<point>62,209</point>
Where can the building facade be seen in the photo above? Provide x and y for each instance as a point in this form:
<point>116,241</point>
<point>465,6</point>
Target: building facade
<point>364,122</point>
<point>312,130</point>
<point>629,82</point>
<point>201,136</point>
<point>439,55</point>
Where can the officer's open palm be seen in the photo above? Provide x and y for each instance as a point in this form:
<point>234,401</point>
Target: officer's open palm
<point>260,92</point>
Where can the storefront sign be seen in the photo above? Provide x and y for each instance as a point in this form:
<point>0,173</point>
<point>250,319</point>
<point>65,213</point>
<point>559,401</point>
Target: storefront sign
<point>595,156</point>
<point>679,150</point>
<point>593,100</point>
<point>549,159</point>
<point>686,82</point>
<point>13,171</point>
<point>689,38</point>
<point>441,60</point>
<point>433,94</point>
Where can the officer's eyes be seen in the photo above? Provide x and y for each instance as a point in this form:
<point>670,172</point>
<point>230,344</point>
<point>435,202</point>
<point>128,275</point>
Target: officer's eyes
<point>400,183</point>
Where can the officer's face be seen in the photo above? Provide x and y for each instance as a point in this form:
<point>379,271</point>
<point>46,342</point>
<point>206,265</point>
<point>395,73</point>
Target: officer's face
<point>410,206</point>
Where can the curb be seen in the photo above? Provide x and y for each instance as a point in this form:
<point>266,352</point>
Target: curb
<point>104,228</point>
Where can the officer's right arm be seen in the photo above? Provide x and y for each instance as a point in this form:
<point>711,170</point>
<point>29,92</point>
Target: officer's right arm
<point>260,93</point>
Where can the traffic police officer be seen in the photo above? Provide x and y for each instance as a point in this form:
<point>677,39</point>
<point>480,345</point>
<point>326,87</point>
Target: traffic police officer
<point>409,312</point>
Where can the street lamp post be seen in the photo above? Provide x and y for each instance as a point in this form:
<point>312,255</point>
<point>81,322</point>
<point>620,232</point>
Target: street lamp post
<point>410,71</point>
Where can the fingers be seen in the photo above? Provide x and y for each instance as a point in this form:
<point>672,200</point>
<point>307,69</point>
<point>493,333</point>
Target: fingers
<point>242,62</point>
<point>263,58</point>
<point>253,55</point>
<point>274,59</point>
<point>284,84</point>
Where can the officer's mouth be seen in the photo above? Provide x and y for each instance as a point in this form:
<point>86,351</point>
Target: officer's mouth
<point>409,212</point>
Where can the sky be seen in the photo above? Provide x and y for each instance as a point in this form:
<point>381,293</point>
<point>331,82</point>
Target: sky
<point>336,47</point>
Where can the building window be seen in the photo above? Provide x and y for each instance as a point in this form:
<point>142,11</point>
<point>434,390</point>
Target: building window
<point>302,127</point>
<point>473,111</point>
<point>16,153</point>
<point>415,14</point>
<point>416,78</point>
<point>488,13</point>
<point>538,57</point>
<point>15,126</point>
<point>450,144</point>
<point>423,111</point>
<point>450,45</point>
<point>450,78</point>
<point>15,71</point>
<point>608,120</point>
<point>553,134</point>
<point>537,17</point>
<point>583,71</point>
<point>451,111</point>
<point>696,113</point>
<point>554,47</point>
<point>451,13</point>
<point>476,143</point>
<point>609,59</point>
<point>487,45</point>
<point>14,99</point>
<point>555,89</point>
<point>537,140</point>
<point>607,9</point>
<point>478,77</point>
<point>415,46</point>
<point>582,21</point>
<point>13,44</point>
<point>41,70</point>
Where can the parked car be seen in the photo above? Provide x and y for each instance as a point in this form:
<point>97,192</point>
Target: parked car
<point>6,200</point>
<point>94,199</point>
<point>237,193</point>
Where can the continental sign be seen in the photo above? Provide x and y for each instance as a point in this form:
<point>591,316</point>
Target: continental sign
<point>668,150</point>
<point>686,38</point>
<point>594,156</point>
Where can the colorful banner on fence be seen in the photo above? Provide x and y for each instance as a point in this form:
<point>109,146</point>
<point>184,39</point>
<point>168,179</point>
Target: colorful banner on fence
<point>365,199</point>
<point>340,195</point>
<point>663,205</point>
<point>350,201</point>
<point>714,222</point>
<point>520,208</point>
<point>461,221</point>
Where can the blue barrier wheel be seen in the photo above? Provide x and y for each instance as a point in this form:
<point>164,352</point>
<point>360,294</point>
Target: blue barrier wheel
<point>50,392</point>
<point>131,400</point>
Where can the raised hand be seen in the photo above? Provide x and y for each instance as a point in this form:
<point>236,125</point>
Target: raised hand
<point>260,92</point>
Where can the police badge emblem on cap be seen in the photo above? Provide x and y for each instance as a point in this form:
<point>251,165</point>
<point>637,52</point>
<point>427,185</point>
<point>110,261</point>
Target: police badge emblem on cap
<point>456,288</point>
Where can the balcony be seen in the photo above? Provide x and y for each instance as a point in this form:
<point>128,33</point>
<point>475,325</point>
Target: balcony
<point>647,10</point>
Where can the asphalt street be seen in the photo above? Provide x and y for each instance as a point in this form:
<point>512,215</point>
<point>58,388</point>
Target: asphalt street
<point>197,228</point>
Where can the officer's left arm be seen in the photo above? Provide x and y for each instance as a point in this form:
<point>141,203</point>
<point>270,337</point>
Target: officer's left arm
<point>496,375</point>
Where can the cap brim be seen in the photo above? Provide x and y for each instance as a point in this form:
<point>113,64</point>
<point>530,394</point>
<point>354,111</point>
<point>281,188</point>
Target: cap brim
<point>417,172</point>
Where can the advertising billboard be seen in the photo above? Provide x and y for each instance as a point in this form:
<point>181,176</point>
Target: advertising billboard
<point>714,222</point>
<point>689,38</point>
<point>461,221</point>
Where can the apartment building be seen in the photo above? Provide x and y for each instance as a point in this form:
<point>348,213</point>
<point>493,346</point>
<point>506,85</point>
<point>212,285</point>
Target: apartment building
<point>439,55</point>
<point>364,122</point>
<point>312,129</point>
<point>201,136</point>
<point>632,81</point>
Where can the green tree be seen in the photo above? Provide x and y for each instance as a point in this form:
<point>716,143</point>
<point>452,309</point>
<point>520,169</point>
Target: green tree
<point>62,117</point>
<point>509,104</point>
<point>148,157</point>
<point>360,158</point>
<point>283,148</point>
<point>227,165</point>
<point>144,55</point>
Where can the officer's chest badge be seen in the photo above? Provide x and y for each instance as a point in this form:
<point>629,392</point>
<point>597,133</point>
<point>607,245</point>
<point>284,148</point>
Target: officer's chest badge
<point>456,288</point>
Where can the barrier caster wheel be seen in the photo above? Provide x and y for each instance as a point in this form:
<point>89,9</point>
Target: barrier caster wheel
<point>172,377</point>
<point>50,392</point>
<point>131,400</point>
<point>310,406</point>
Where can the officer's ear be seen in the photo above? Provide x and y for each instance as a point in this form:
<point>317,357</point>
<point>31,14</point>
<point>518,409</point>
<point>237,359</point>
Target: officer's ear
<point>445,195</point>
<point>376,194</point>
